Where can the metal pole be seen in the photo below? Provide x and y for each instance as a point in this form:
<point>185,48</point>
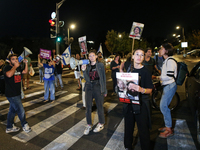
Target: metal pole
<point>57,29</point>
<point>184,41</point>
<point>68,36</point>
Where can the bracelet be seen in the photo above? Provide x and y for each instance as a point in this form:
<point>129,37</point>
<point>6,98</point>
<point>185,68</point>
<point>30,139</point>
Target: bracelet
<point>144,91</point>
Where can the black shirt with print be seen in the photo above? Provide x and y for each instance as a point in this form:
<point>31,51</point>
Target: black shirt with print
<point>13,84</point>
<point>93,73</point>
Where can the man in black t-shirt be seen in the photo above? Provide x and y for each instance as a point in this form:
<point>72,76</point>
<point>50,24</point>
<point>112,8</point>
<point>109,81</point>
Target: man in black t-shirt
<point>12,74</point>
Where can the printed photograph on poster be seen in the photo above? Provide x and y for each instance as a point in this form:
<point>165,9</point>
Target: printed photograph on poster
<point>125,85</point>
<point>46,54</point>
<point>136,30</point>
<point>83,45</point>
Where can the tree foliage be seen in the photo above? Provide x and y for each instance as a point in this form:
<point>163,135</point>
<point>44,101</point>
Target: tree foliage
<point>123,44</point>
<point>194,39</point>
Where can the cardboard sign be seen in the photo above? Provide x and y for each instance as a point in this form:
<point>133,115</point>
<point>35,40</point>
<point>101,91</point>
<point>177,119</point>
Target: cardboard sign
<point>46,54</point>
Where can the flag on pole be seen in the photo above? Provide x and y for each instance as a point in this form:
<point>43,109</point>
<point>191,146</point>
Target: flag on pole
<point>100,50</point>
<point>11,52</point>
<point>66,56</point>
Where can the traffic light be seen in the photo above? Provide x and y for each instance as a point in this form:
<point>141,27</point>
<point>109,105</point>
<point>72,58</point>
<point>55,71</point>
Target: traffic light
<point>52,28</point>
<point>58,39</point>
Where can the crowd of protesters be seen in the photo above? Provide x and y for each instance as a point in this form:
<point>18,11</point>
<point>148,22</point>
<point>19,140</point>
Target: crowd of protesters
<point>93,85</point>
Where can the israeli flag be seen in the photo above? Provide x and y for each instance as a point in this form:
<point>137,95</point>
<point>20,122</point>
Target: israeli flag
<point>66,56</point>
<point>11,52</point>
<point>100,50</point>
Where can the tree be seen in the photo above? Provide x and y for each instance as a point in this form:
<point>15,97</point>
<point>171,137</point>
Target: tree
<point>194,39</point>
<point>111,41</point>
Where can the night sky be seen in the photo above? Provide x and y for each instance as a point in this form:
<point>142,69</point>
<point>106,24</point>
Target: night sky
<point>29,18</point>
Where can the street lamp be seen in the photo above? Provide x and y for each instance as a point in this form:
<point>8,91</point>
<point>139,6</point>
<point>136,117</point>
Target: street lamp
<point>120,36</point>
<point>72,27</point>
<point>178,27</point>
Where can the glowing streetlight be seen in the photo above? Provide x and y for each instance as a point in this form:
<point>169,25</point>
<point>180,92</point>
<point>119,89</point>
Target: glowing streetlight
<point>72,26</point>
<point>174,34</point>
<point>178,27</point>
<point>120,36</point>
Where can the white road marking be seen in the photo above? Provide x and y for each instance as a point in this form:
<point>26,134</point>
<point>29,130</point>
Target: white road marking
<point>45,107</point>
<point>26,95</point>
<point>29,103</point>
<point>72,135</point>
<point>45,124</point>
<point>116,142</point>
<point>182,138</point>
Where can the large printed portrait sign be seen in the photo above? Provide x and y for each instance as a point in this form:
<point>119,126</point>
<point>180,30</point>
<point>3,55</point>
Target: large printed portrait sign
<point>136,30</point>
<point>126,83</point>
<point>46,54</point>
<point>83,45</point>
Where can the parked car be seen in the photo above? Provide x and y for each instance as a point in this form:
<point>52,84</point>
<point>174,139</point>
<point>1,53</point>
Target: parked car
<point>195,52</point>
<point>192,87</point>
<point>110,58</point>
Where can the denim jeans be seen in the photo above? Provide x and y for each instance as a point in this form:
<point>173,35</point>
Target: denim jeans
<point>16,107</point>
<point>93,90</point>
<point>41,74</point>
<point>168,93</point>
<point>49,85</point>
<point>59,77</point>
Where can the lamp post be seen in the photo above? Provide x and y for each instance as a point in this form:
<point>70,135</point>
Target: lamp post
<point>58,5</point>
<point>178,27</point>
<point>72,27</point>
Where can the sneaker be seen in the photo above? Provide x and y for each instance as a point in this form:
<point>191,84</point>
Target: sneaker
<point>87,129</point>
<point>99,127</point>
<point>13,129</point>
<point>26,128</point>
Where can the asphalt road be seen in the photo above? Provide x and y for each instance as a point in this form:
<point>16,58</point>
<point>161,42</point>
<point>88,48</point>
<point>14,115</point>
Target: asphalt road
<point>60,125</point>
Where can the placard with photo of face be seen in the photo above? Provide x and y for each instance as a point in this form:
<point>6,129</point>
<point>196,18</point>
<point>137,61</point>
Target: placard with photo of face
<point>126,84</point>
<point>83,45</point>
<point>136,30</point>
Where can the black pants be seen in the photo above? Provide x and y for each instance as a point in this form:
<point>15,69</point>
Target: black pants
<point>93,90</point>
<point>114,82</point>
<point>2,86</point>
<point>142,120</point>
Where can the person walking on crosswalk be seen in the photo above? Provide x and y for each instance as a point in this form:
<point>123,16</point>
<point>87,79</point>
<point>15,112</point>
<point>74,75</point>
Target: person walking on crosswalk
<point>95,87</point>
<point>49,79</point>
<point>13,76</point>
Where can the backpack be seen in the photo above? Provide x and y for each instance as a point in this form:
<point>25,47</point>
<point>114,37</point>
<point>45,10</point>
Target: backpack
<point>182,71</point>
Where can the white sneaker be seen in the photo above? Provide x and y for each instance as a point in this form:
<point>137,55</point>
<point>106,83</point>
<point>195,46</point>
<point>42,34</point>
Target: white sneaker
<point>26,128</point>
<point>13,129</point>
<point>99,127</point>
<point>87,129</point>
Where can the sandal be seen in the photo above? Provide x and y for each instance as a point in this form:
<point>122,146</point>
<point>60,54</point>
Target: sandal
<point>167,133</point>
<point>162,129</point>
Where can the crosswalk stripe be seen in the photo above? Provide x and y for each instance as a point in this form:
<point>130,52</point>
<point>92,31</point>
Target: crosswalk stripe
<point>45,124</point>
<point>116,142</point>
<point>182,137</point>
<point>45,107</point>
<point>27,96</point>
<point>72,135</point>
<point>29,103</point>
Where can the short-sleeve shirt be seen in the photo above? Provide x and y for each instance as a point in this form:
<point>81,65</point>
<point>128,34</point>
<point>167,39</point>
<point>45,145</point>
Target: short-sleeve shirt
<point>48,72</point>
<point>12,84</point>
<point>150,65</point>
<point>145,80</point>
<point>159,61</point>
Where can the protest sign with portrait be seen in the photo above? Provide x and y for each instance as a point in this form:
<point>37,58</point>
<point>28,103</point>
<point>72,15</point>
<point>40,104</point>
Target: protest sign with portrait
<point>136,30</point>
<point>83,45</point>
<point>126,83</point>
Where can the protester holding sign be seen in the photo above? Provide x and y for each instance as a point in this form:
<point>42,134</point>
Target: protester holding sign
<point>134,112</point>
<point>95,87</point>
<point>49,79</point>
